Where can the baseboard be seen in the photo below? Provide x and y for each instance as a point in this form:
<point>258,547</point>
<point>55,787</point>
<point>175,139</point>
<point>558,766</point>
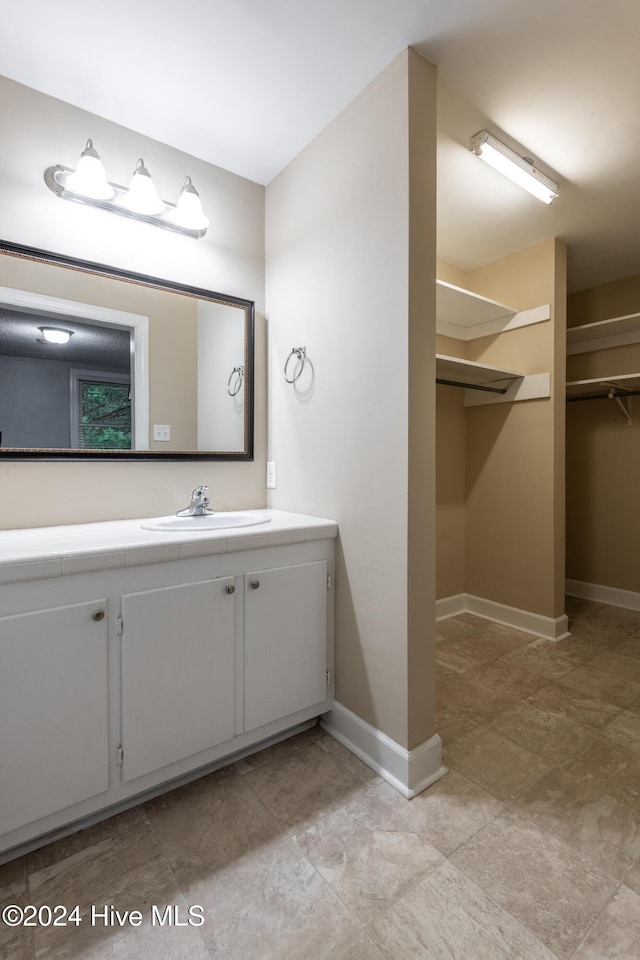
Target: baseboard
<point>611,595</point>
<point>549,628</point>
<point>409,771</point>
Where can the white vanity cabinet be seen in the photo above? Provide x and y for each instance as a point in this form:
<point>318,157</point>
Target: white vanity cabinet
<point>178,685</point>
<point>285,641</point>
<point>54,727</point>
<point>194,651</point>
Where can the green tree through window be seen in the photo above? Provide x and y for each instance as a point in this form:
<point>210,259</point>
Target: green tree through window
<point>104,415</point>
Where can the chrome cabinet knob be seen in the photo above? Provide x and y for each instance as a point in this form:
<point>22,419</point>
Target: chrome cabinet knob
<point>97,615</point>
<point>254,584</point>
<point>229,589</point>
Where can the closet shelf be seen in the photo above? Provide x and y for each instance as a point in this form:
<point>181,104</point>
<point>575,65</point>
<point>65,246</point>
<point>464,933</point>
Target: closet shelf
<point>627,384</point>
<point>464,315</point>
<point>456,372</point>
<point>603,334</point>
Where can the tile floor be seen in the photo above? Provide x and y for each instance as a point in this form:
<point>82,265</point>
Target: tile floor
<point>529,849</point>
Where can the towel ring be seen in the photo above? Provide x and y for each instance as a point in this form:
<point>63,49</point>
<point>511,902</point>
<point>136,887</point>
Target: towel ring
<point>301,354</point>
<point>234,388</point>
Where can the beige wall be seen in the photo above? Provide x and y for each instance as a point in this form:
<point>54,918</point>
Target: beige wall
<point>350,266</point>
<point>603,453</point>
<point>513,515</point>
<point>39,131</point>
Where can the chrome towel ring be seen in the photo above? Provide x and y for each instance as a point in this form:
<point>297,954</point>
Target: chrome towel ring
<point>301,354</point>
<point>234,385</point>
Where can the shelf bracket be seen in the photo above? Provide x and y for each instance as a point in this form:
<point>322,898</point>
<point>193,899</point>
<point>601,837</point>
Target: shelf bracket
<point>625,405</point>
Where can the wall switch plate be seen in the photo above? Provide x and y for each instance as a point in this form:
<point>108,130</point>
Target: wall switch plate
<point>161,431</point>
<point>271,475</point>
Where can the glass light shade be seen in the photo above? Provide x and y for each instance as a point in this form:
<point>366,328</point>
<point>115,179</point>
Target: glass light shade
<point>519,170</point>
<point>142,196</point>
<point>188,212</point>
<point>89,178</point>
<point>55,334</point>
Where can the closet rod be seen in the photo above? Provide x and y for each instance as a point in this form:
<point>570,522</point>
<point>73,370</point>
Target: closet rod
<point>605,396</point>
<point>475,386</point>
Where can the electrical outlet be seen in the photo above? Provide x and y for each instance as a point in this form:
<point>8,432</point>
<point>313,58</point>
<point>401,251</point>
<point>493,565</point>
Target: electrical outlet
<point>271,475</point>
<point>161,431</point>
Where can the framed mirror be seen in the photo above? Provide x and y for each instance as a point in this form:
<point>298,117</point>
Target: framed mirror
<point>100,363</point>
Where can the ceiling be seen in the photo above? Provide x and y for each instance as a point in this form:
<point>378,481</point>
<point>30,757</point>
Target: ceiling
<point>246,84</point>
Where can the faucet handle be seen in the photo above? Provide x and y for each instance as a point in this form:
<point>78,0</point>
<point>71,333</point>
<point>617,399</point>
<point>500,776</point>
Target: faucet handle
<point>199,492</point>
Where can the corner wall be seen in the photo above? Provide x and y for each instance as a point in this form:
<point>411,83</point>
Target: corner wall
<point>39,131</point>
<point>350,271</point>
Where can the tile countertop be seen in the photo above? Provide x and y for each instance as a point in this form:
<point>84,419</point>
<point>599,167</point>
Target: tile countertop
<point>36,553</point>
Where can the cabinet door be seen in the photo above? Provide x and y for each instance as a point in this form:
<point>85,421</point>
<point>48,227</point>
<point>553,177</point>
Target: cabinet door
<point>177,673</point>
<point>285,641</point>
<point>54,746</point>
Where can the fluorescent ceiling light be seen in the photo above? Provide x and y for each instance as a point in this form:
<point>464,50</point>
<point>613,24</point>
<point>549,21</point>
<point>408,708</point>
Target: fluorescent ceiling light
<point>519,169</point>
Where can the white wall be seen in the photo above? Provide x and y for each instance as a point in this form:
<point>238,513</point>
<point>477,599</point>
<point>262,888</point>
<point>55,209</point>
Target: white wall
<point>39,131</point>
<point>338,282</point>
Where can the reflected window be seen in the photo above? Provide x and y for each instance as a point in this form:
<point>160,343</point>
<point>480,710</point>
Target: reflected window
<point>100,411</point>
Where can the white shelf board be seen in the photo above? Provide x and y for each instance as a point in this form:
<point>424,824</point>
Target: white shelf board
<point>533,386</point>
<point>464,315</point>
<point>466,309</point>
<point>602,385</point>
<point>470,373</point>
<point>604,334</point>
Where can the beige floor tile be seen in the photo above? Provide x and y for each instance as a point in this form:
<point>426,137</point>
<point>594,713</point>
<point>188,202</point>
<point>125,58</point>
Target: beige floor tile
<point>618,665</point>
<point>443,672</point>
<point>472,651</point>
<point>632,879</point>
<point>550,737</point>
<point>348,761</point>
<point>306,787</point>
<point>126,872</point>
<point>446,814</point>
<point>591,681</point>
<point>551,889</point>
<point>16,943</point>
<point>610,767</point>
<point>211,823</point>
<point>634,707</point>
<point>368,854</point>
<point>447,917</point>
<point>463,704</point>
<point>506,678</point>
<point>616,620</point>
<point>542,658</point>
<point>360,948</point>
<point>625,730</point>
<point>600,637</point>
<point>629,646</point>
<point>585,815</point>
<point>616,933</point>
<point>272,904</point>
<point>85,838</point>
<point>503,768</point>
<point>457,628</point>
<point>577,608</point>
<point>560,700</point>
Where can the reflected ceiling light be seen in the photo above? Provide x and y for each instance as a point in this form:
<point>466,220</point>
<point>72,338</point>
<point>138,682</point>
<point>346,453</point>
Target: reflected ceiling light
<point>519,169</point>
<point>54,335</point>
<point>88,184</point>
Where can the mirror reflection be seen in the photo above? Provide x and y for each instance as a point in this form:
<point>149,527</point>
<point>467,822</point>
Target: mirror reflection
<point>100,363</point>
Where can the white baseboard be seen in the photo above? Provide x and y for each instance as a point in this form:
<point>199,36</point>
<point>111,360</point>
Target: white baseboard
<point>409,771</point>
<point>549,628</point>
<point>611,595</point>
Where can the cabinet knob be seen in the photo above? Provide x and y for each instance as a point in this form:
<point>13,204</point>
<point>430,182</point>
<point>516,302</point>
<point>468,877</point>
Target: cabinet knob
<point>254,584</point>
<point>97,615</point>
<point>229,589</point>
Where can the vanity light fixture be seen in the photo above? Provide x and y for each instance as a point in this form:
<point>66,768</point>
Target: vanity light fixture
<point>88,184</point>
<point>519,169</point>
<point>54,335</point>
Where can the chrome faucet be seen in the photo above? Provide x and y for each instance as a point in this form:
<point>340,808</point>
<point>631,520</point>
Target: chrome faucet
<point>199,506</point>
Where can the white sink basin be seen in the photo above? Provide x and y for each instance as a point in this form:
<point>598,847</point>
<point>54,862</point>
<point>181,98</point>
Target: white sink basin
<point>214,521</point>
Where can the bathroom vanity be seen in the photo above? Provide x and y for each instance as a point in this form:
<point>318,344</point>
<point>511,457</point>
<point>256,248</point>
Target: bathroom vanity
<point>132,658</point>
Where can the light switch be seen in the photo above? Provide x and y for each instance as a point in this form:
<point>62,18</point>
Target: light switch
<point>161,431</point>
